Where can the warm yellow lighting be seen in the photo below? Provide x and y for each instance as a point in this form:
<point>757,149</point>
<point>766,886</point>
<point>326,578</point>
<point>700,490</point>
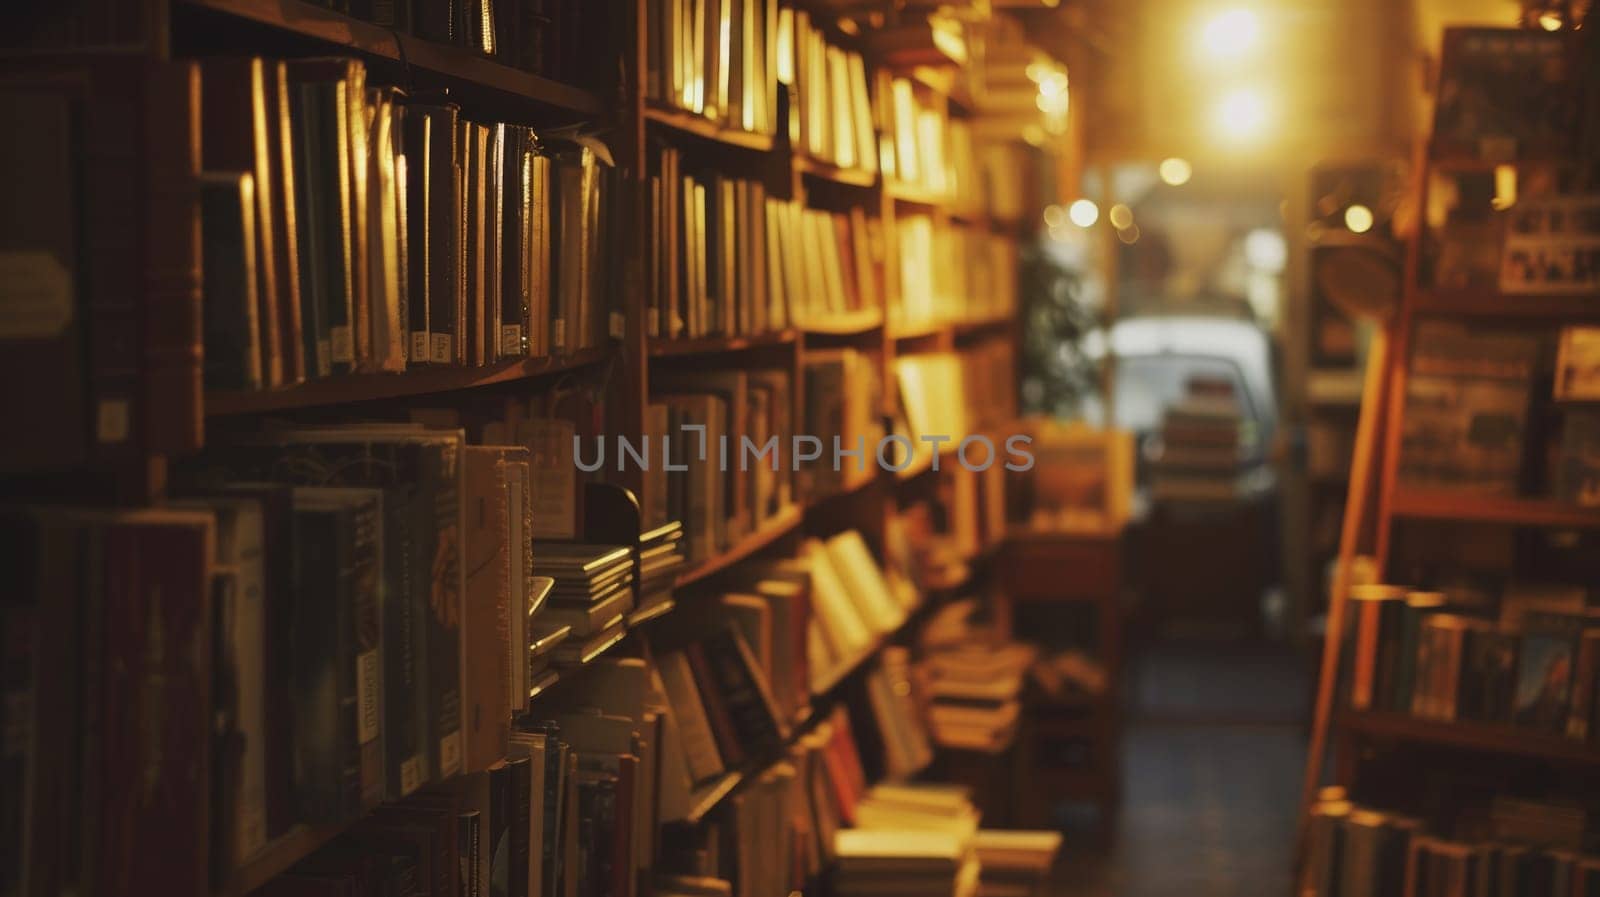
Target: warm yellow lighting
<point>1121,216</point>
<point>1241,114</point>
<point>1358,218</point>
<point>1229,34</point>
<point>1054,215</point>
<point>1129,235</point>
<point>1505,187</point>
<point>1551,21</point>
<point>1083,213</point>
<point>1175,171</point>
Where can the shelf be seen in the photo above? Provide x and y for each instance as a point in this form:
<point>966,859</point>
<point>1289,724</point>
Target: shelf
<point>850,323</point>
<point>919,330</point>
<point>1445,505</point>
<point>1468,736</point>
<point>291,847</point>
<point>455,63</point>
<point>715,345</point>
<point>340,389</point>
<point>911,193</point>
<point>775,528</point>
<point>706,129</point>
<point>1484,303</point>
<point>827,171</point>
<point>986,325</point>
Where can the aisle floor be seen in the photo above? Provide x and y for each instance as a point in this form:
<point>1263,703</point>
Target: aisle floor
<point>1213,748</point>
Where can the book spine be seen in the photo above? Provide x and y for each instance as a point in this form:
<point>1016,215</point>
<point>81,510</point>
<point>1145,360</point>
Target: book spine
<point>469,842</point>
<point>717,711</point>
<point>173,344</point>
<point>498,834</point>
<point>444,230</point>
<point>443,485</point>
<point>315,675</point>
<point>520,799</point>
<point>155,832</point>
<point>404,732</point>
<point>750,705</point>
<point>366,633</point>
<point>287,257</point>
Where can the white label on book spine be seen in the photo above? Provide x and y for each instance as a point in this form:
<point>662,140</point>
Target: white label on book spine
<point>652,323</point>
<point>340,344</point>
<point>35,295</point>
<point>419,345</point>
<point>111,421</point>
<point>442,349</point>
<point>618,325</point>
<point>510,340</point>
<point>367,696</point>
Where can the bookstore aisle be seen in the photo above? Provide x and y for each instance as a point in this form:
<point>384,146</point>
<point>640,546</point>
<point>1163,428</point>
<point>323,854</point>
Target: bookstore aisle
<point>835,448</point>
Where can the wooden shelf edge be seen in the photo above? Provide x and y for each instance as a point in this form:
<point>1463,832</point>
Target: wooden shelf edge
<point>854,323</point>
<point>291,847</point>
<point>827,171</point>
<point>1481,737</point>
<point>715,345</point>
<point>920,330</point>
<point>983,325</point>
<point>1487,303</point>
<point>775,528</point>
<point>356,35</point>
<point>706,129</point>
<point>419,381</point>
<point>1442,504</point>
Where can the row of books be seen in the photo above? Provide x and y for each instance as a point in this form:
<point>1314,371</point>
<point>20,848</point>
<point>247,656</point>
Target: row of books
<point>380,614</point>
<point>716,58</point>
<point>726,480</point>
<point>356,228</point>
<point>831,116</point>
<point>952,272</point>
<point>1545,243</point>
<point>953,395</point>
<point>730,260</point>
<point>1356,849</point>
<point>547,37</point>
<point>1535,665</point>
<point>842,409</point>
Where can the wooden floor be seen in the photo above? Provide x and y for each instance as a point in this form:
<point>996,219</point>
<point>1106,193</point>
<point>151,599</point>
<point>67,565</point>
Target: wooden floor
<point>1214,745</point>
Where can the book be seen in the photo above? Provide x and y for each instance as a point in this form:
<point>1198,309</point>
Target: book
<point>1506,94</point>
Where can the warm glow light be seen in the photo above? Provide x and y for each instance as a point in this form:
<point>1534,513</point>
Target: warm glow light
<point>1230,34</point>
<point>1129,235</point>
<point>1505,187</point>
<point>1175,171</point>
<point>1054,215</point>
<point>1550,21</point>
<point>1083,213</point>
<point>1241,114</point>
<point>1358,218</point>
<point>1121,216</point>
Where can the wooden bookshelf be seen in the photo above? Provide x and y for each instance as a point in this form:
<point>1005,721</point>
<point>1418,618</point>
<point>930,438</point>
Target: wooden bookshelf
<point>356,388</point>
<point>1494,304</point>
<point>454,64</point>
<point>1505,740</point>
<point>1442,505</point>
<point>706,129</point>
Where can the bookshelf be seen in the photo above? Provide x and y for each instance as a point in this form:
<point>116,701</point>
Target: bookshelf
<point>1502,731</point>
<point>630,367</point>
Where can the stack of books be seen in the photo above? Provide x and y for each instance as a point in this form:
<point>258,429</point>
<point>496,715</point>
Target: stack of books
<point>594,591</point>
<point>1204,452</point>
<point>974,691</point>
<point>909,840</point>
<point>661,558</point>
<point>1015,863</point>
